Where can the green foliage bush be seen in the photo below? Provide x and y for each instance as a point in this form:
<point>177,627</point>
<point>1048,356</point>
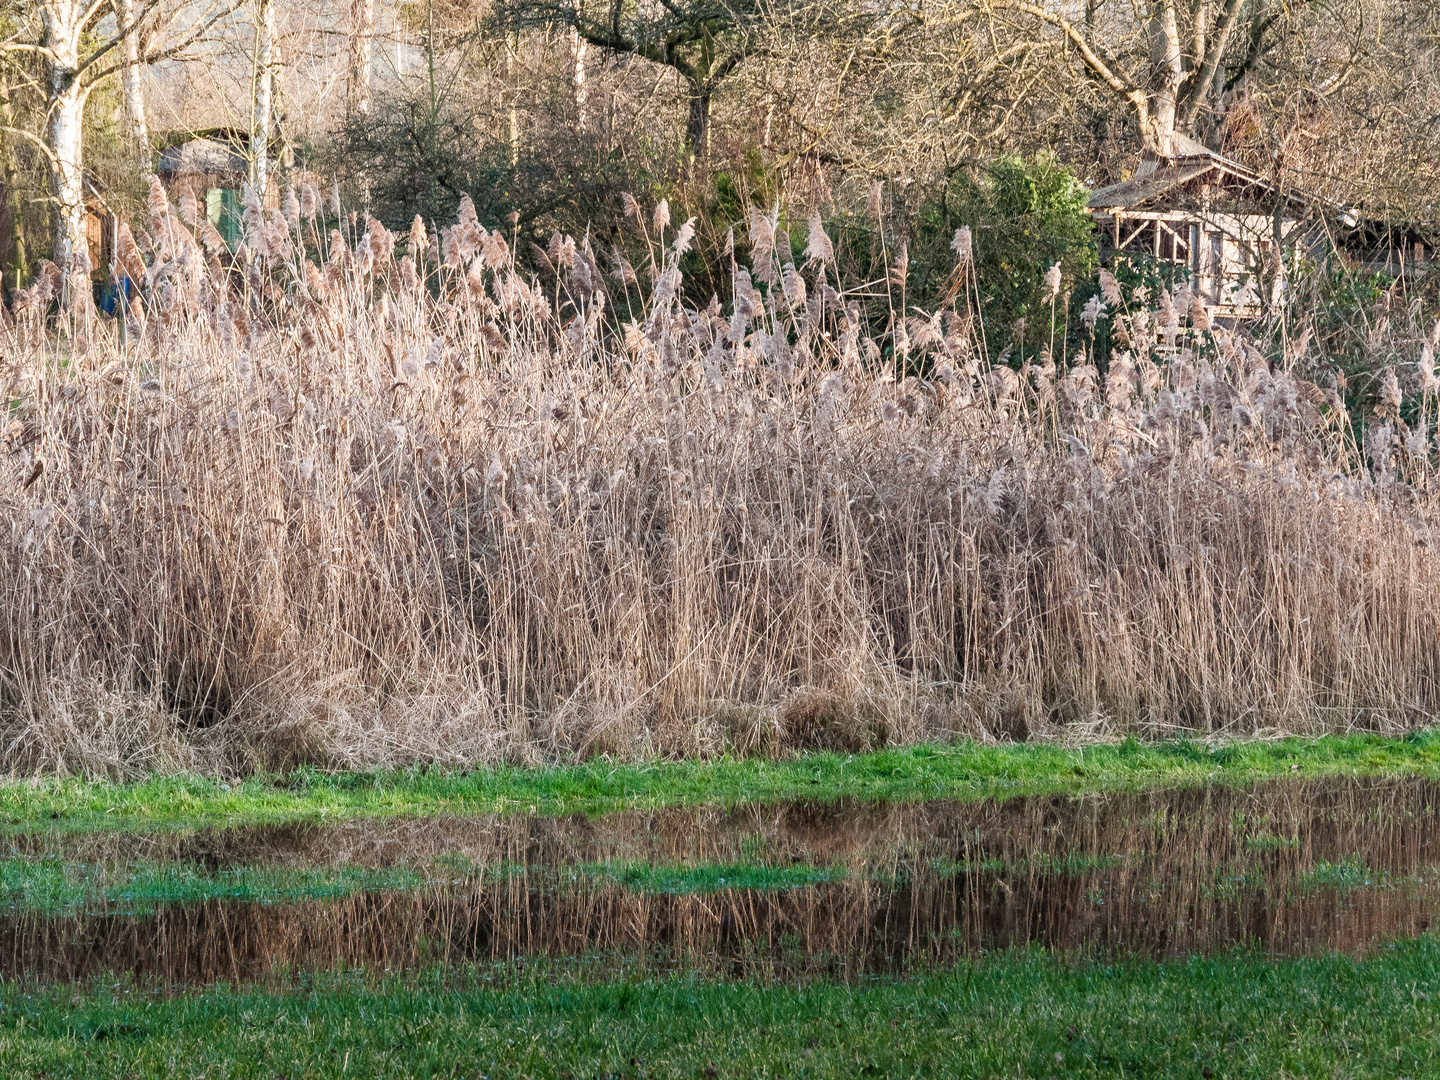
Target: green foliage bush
<point>1025,215</point>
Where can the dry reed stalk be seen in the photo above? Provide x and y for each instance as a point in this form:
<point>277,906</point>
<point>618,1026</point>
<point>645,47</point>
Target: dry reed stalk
<point>409,513</point>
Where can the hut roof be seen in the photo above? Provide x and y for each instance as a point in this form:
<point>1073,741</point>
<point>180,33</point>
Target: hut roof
<point>1142,189</point>
<point>1172,180</point>
<point>201,156</point>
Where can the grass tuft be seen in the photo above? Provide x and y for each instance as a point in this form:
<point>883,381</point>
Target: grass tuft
<point>1020,1013</point>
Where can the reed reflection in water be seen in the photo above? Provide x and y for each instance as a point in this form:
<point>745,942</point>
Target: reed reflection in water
<point>1290,868</point>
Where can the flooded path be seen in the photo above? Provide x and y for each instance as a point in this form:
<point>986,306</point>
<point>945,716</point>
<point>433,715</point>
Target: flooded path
<point>839,890</point>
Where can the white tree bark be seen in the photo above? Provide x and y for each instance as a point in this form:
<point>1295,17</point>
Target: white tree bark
<point>64,139</point>
<point>362,37</point>
<point>76,56</point>
<point>132,91</point>
<point>260,122</point>
<point>68,147</point>
<point>582,93</point>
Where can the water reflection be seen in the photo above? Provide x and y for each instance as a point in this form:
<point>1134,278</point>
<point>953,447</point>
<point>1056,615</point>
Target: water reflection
<point>1290,868</point>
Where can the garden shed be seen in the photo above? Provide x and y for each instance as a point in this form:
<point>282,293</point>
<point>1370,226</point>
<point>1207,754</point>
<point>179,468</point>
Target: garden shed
<point>1199,208</point>
<point>213,166</point>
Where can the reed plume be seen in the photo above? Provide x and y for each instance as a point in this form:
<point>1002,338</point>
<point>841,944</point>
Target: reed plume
<point>356,513</point>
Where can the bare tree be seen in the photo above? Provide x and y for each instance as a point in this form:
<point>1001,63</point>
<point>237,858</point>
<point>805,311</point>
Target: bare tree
<point>703,42</point>
<point>1193,51</point>
<point>76,55</point>
<point>132,92</point>
<point>264,82</point>
<point>362,38</point>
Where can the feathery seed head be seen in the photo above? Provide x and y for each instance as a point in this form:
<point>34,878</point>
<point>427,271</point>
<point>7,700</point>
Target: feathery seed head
<point>1429,384</point>
<point>1200,314</point>
<point>794,287</point>
<point>189,208</point>
<point>159,205</point>
<point>683,238</point>
<point>1390,396</point>
<point>762,234</point>
<point>875,205</point>
<point>1052,281</point>
<point>963,246</point>
<point>465,214</point>
<point>1111,288</point>
<point>818,247</point>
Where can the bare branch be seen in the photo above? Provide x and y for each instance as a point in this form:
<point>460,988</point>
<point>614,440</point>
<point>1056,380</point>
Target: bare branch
<point>170,51</point>
<point>1255,50</point>
<point>20,46</point>
<point>1202,80</point>
<point>36,139</point>
<point>119,36</point>
<point>1108,73</point>
<point>93,12</point>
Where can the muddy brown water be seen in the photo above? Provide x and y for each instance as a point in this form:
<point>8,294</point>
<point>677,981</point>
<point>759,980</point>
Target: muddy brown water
<point>1297,867</point>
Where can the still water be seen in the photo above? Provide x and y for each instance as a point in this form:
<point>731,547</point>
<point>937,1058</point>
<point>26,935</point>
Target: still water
<point>841,890</point>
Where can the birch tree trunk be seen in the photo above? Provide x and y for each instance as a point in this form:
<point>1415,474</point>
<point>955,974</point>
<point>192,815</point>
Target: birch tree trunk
<point>132,91</point>
<point>362,34</point>
<point>582,95</point>
<point>61,20</point>
<point>260,122</point>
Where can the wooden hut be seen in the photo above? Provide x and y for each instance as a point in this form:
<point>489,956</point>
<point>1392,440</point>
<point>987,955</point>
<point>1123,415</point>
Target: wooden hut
<point>213,165</point>
<point>1198,208</point>
<point>1228,225</point>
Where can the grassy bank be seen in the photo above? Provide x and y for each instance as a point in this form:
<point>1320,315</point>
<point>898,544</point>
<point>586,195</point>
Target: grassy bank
<point>962,771</point>
<point>1024,1015</point>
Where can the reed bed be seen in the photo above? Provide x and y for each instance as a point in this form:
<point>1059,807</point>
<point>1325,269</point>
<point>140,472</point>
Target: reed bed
<point>327,502</point>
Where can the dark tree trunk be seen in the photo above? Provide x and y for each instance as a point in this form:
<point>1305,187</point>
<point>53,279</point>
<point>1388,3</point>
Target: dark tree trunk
<point>697,129</point>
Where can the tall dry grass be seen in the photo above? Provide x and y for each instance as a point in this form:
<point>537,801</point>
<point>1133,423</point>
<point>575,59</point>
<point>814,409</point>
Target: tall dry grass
<point>429,509</point>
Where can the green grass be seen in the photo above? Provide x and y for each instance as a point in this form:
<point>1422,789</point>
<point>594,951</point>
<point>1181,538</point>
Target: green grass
<point>1016,1015</point>
<point>961,771</point>
<point>1350,873</point>
<point>690,880</point>
<point>1269,842</point>
<point>51,887</point>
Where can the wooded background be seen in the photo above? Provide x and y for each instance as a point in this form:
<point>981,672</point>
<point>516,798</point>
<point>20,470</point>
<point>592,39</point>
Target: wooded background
<point>993,110</point>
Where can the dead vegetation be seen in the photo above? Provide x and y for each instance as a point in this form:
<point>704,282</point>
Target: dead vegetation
<point>384,510</point>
